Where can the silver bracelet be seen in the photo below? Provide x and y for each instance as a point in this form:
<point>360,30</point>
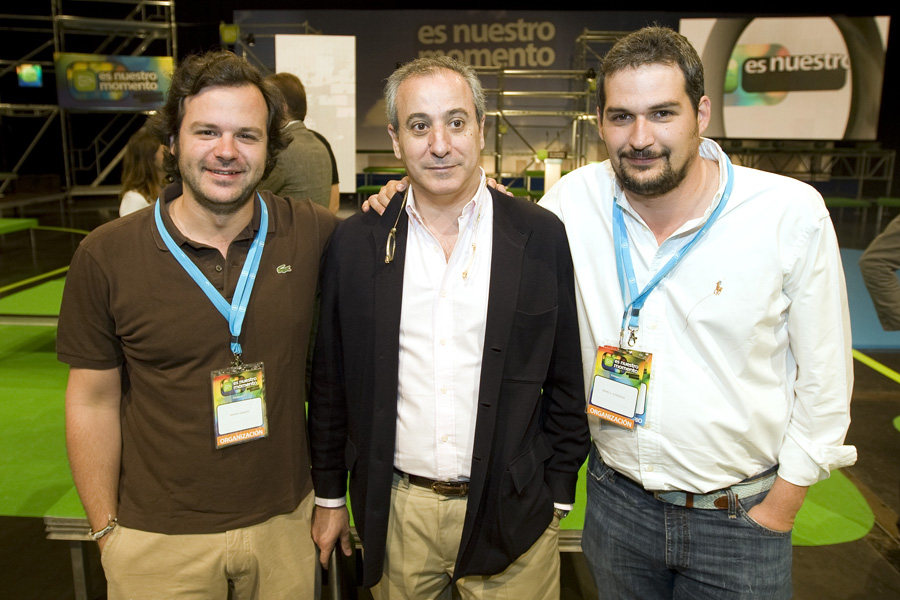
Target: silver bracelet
<point>110,525</point>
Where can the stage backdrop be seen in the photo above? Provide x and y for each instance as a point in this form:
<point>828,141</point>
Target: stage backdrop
<point>805,78</point>
<point>527,40</point>
<point>816,51</point>
<point>121,83</point>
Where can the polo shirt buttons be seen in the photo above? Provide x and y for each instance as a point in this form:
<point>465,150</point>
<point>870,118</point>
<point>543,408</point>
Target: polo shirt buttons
<point>218,268</point>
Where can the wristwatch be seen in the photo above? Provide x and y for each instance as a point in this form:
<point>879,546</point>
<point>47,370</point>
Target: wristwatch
<point>110,525</point>
<point>560,513</point>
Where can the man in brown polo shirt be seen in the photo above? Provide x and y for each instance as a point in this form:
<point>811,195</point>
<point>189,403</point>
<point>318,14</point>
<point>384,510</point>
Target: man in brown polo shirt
<point>185,405</point>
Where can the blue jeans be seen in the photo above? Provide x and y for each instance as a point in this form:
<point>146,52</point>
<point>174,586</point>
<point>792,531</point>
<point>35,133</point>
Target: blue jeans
<point>640,547</point>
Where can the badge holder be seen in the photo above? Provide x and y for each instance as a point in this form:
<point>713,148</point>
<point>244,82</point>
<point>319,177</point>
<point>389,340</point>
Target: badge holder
<point>620,384</point>
<point>239,404</point>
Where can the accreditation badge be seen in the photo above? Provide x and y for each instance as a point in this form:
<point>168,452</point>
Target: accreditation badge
<point>239,404</point>
<point>620,385</point>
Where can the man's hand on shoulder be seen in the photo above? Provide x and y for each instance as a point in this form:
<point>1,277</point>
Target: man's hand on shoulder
<point>329,525</point>
<point>379,202</point>
<point>493,183</point>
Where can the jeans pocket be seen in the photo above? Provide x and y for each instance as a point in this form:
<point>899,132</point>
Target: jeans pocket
<point>597,469</point>
<point>744,507</point>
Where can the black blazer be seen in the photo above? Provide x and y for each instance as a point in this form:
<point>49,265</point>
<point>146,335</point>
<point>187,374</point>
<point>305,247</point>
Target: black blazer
<point>531,433</point>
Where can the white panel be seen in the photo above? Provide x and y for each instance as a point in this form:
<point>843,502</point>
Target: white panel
<point>326,64</point>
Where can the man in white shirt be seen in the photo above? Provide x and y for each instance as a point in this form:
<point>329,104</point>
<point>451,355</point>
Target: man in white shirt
<point>447,367</point>
<point>740,351</point>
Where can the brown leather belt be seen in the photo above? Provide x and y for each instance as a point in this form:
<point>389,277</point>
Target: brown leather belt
<point>444,488</point>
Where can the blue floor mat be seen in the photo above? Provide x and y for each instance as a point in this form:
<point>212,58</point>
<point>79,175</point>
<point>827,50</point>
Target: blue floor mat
<point>867,331</point>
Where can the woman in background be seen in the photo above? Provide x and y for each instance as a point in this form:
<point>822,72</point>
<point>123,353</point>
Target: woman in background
<point>142,171</point>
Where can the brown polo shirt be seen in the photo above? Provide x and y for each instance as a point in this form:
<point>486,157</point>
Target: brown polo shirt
<point>128,302</point>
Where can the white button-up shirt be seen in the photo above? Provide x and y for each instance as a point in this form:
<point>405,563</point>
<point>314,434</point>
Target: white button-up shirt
<point>750,334</point>
<point>442,323</point>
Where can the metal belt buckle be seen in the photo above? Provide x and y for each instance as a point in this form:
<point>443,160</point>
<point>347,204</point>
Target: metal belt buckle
<point>450,489</point>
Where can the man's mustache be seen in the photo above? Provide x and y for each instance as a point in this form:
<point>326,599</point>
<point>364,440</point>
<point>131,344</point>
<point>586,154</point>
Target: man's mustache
<point>642,154</point>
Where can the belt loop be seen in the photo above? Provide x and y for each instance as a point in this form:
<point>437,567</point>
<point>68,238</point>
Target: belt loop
<point>732,503</point>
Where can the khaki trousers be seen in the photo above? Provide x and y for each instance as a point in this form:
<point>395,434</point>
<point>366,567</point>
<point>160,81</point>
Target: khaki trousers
<point>424,531</point>
<point>275,559</point>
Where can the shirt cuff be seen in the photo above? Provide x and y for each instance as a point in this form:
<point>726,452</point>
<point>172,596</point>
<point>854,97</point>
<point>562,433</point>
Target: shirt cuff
<point>331,502</point>
<point>798,466</point>
<point>568,507</point>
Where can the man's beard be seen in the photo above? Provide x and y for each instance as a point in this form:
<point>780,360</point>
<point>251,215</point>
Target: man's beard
<point>663,183</point>
<point>224,209</point>
<point>216,207</point>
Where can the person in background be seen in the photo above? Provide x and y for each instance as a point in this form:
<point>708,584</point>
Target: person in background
<point>879,265</point>
<point>334,201</point>
<point>306,168</point>
<point>143,174</point>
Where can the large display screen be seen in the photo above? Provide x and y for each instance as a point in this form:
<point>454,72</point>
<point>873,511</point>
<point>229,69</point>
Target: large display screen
<point>801,78</point>
<point>120,83</point>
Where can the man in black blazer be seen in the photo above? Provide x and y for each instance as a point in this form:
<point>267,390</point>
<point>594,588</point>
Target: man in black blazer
<point>447,373</point>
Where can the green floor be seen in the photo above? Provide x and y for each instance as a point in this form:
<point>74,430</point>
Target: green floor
<point>33,465</point>
<point>37,481</point>
<point>34,479</point>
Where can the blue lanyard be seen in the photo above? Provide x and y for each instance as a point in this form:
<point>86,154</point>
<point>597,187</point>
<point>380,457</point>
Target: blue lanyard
<point>235,312</point>
<point>625,267</point>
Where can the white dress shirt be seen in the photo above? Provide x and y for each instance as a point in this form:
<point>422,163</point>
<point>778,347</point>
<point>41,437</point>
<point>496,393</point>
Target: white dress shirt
<point>442,323</point>
<point>750,334</point>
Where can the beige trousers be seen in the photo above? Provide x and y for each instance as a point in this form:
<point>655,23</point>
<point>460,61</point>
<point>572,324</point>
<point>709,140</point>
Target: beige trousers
<point>424,531</point>
<point>275,559</point>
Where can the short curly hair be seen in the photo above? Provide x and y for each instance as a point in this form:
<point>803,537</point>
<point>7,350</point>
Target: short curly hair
<point>650,46</point>
<point>218,68</point>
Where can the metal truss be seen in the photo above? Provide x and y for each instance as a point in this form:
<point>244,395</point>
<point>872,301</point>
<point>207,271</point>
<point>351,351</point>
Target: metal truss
<point>816,162</point>
<point>555,108</point>
<point>251,33</point>
<point>42,113</point>
<point>92,143</point>
<point>591,45</point>
<point>560,108</point>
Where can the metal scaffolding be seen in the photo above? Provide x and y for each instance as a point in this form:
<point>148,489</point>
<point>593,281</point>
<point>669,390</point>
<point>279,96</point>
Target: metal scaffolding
<point>869,169</point>
<point>555,104</point>
<point>92,143</point>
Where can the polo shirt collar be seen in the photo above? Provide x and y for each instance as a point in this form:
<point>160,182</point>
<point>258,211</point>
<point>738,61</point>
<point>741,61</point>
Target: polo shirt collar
<point>174,190</point>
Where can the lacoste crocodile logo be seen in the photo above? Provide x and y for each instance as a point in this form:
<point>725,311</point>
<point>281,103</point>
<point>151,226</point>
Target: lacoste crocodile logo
<point>283,269</point>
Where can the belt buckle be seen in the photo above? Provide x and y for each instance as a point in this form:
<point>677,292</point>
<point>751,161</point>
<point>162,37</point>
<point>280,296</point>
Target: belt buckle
<point>444,488</point>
